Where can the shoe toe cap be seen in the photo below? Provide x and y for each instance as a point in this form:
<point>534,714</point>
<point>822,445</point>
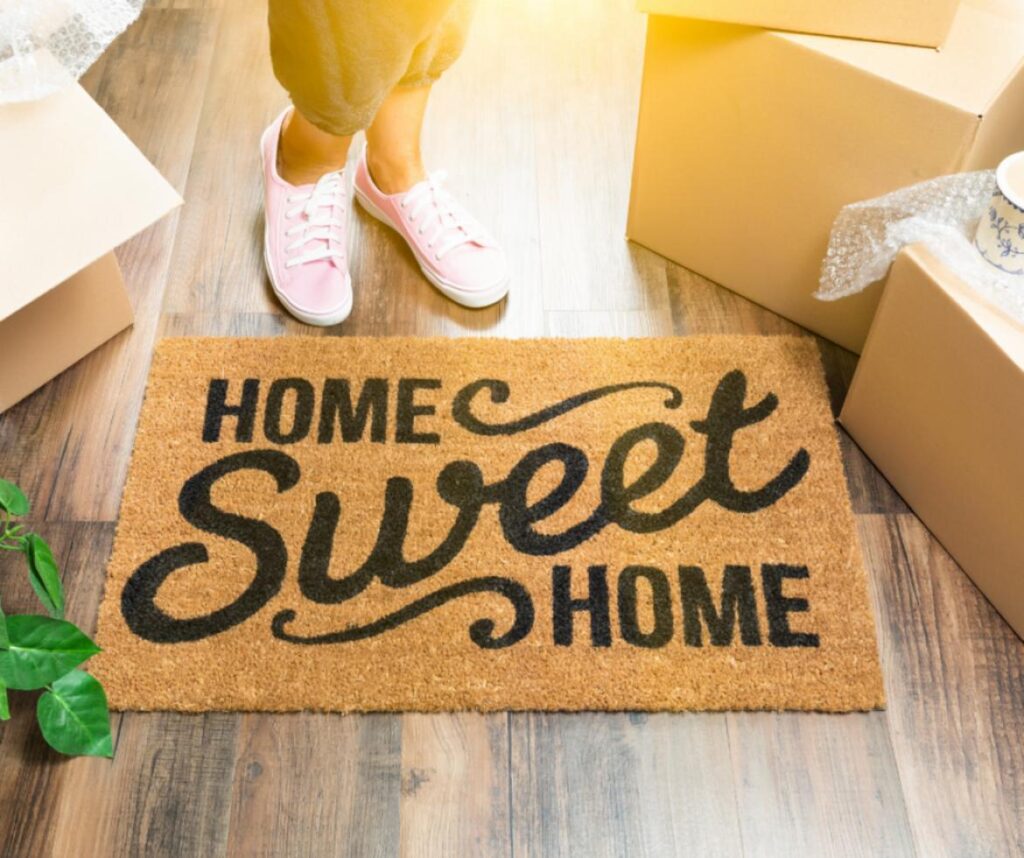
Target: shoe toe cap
<point>476,269</point>
<point>318,290</point>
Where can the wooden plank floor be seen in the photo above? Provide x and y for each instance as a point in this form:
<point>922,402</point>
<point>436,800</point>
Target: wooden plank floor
<point>536,123</point>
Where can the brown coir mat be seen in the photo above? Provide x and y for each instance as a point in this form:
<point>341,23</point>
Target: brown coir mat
<point>429,524</point>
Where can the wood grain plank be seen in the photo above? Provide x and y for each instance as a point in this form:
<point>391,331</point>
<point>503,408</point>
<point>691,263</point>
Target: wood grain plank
<point>225,325</point>
<point>455,782</point>
<point>218,260</point>
<point>954,675</point>
<point>585,61</point>
<point>317,784</point>
<point>615,784</point>
<point>688,796</point>
<point>166,793</point>
<point>68,444</point>
<point>814,784</point>
<point>701,307</point>
<point>608,323</point>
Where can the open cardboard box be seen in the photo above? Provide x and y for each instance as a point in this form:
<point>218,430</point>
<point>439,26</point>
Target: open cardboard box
<point>910,22</point>
<point>937,403</point>
<point>72,188</point>
<point>750,141</point>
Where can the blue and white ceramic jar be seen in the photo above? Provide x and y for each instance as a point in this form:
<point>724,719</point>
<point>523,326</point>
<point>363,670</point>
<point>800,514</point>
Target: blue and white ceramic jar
<point>1000,237</point>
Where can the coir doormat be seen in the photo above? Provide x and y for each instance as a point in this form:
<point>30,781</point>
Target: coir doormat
<point>419,524</point>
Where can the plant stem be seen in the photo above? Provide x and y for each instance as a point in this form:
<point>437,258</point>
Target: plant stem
<point>8,540</point>
<point>12,543</point>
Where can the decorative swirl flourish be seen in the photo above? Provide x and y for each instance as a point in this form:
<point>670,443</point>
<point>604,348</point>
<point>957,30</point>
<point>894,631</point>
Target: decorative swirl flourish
<point>481,632</point>
<point>463,415</point>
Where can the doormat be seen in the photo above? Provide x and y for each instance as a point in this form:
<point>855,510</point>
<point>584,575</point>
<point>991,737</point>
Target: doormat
<point>436,524</point>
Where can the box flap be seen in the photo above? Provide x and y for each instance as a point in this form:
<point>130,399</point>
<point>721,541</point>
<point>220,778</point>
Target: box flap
<point>73,188</point>
<point>984,51</point>
<point>913,22</point>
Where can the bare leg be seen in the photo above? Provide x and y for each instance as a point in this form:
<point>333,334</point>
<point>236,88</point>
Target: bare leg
<point>393,140</point>
<point>306,153</point>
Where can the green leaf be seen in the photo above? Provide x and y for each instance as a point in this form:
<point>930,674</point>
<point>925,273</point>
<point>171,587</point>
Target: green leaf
<point>74,718</point>
<point>5,710</point>
<point>12,499</point>
<point>44,576</point>
<point>40,651</point>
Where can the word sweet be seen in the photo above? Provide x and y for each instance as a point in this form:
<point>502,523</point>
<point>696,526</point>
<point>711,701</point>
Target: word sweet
<point>461,485</point>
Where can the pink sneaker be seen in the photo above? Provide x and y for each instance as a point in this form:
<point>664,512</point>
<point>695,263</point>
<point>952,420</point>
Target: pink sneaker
<point>304,243</point>
<point>453,250</point>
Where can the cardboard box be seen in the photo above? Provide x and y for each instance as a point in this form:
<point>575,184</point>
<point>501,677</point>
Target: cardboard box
<point>72,188</point>
<point>910,22</point>
<point>937,403</point>
<point>750,141</point>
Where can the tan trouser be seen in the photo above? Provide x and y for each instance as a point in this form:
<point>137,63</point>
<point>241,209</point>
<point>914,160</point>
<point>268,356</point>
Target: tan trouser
<point>339,59</point>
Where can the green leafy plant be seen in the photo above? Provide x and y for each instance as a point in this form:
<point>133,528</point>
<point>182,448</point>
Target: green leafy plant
<point>44,652</point>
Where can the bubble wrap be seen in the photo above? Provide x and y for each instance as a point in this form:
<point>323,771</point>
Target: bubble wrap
<point>943,214</point>
<point>47,44</point>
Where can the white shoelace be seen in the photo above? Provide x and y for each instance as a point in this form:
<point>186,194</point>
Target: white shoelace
<point>321,224</point>
<point>438,216</point>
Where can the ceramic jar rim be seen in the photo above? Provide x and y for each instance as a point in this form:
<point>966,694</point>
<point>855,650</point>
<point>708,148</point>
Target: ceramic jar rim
<point>1014,195</point>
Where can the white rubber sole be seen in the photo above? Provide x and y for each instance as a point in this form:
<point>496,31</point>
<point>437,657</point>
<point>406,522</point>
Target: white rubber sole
<point>472,300</point>
<point>322,320</point>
